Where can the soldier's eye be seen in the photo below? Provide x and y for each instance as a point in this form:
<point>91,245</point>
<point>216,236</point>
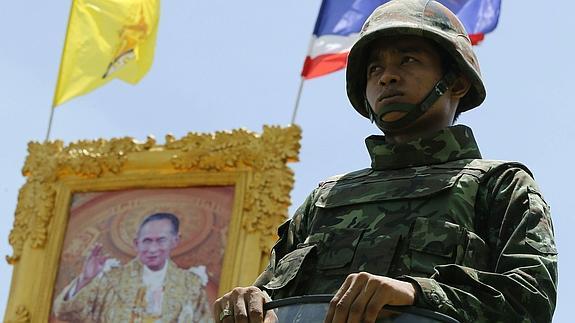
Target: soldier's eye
<point>373,69</point>
<point>408,59</point>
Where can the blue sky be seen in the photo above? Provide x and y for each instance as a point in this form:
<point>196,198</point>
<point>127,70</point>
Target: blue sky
<point>227,64</point>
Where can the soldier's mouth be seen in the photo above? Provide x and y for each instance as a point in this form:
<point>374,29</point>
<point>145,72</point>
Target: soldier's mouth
<point>390,100</point>
<point>388,95</point>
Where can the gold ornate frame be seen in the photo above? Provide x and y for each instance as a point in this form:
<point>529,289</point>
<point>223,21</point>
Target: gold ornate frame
<point>255,164</point>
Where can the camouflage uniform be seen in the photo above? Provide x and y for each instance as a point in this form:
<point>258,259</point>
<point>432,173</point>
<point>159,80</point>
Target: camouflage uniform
<point>475,235</point>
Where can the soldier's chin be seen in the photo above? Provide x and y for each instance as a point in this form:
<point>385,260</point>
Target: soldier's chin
<point>393,116</point>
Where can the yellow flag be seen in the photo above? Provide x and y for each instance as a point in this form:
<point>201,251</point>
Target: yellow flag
<point>106,39</point>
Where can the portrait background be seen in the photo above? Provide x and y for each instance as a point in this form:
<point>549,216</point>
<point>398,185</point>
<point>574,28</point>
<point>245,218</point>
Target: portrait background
<point>112,219</point>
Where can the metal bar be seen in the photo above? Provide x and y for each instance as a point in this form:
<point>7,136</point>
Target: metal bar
<point>50,124</point>
<point>297,100</point>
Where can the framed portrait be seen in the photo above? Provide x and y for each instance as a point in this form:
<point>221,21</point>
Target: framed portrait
<point>120,230</point>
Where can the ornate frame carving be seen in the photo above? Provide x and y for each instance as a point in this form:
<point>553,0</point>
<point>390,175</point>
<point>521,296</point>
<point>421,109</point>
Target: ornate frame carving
<point>256,164</point>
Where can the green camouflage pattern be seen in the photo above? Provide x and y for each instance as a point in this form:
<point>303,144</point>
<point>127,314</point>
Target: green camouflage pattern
<point>475,235</point>
<point>424,18</point>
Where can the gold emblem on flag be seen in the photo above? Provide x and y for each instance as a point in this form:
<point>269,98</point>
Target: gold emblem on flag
<point>130,36</point>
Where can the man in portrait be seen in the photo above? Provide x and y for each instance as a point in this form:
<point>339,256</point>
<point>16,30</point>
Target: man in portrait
<point>149,288</point>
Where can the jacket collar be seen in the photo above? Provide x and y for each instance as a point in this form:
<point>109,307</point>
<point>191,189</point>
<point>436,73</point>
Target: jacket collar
<point>449,144</point>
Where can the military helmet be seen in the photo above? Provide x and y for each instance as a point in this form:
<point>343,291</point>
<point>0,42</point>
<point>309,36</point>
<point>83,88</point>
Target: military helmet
<point>425,18</point>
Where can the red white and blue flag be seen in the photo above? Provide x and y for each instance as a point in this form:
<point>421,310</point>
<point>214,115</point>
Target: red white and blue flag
<point>339,23</point>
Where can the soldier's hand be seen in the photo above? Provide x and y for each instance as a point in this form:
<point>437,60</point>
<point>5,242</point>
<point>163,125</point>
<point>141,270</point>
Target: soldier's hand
<point>363,295</point>
<point>243,304</point>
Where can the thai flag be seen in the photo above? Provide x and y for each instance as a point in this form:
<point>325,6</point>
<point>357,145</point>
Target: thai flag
<point>339,22</point>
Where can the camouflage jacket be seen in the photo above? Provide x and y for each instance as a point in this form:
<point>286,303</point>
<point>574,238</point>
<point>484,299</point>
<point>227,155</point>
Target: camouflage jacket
<point>475,235</point>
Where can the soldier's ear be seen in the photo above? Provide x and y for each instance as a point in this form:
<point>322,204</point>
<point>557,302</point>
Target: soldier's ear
<point>460,86</point>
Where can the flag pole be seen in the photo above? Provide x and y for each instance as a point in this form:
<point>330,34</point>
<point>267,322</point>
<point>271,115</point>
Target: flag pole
<point>50,124</point>
<point>297,99</point>
<point>309,50</point>
<point>302,79</point>
<point>59,72</point>
<point>54,101</point>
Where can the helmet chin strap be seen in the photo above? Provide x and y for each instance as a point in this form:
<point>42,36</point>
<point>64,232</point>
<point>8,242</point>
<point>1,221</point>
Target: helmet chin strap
<point>413,111</point>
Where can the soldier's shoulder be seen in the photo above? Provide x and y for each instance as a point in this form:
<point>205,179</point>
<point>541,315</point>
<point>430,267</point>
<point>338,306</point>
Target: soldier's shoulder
<point>355,175</point>
<point>494,166</point>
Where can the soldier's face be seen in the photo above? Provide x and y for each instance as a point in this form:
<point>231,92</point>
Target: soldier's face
<point>404,70</point>
<point>155,242</point>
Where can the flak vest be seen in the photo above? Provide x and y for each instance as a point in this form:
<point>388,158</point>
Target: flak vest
<point>390,223</point>
<point>474,237</point>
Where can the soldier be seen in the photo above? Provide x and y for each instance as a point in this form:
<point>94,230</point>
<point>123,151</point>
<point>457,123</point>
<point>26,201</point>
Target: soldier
<point>430,223</point>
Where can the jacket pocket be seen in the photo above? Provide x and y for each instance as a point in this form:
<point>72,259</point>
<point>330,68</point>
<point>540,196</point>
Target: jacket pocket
<point>435,242</point>
<point>375,254</point>
<point>336,248</point>
<point>288,267</point>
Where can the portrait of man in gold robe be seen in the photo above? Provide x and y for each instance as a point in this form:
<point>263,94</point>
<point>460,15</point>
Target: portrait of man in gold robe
<point>149,288</point>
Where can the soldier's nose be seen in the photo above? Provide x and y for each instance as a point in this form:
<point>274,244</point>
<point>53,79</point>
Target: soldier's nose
<point>389,76</point>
